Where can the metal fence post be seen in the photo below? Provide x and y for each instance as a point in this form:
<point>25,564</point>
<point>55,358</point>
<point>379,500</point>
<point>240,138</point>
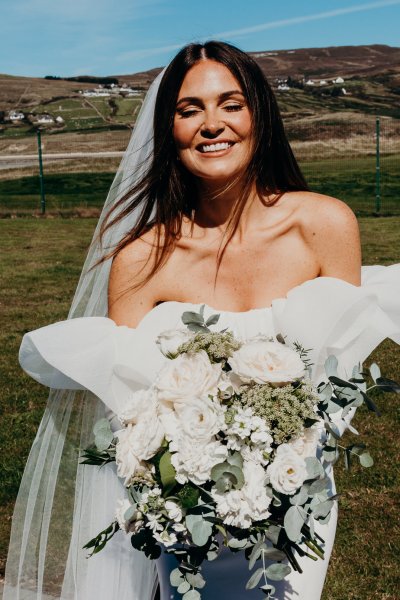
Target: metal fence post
<point>377,167</point>
<point>41,177</point>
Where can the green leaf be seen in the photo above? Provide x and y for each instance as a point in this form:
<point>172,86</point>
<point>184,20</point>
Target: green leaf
<point>370,404</point>
<point>256,553</point>
<point>274,554</point>
<point>314,467</point>
<point>375,371</point>
<point>331,365</point>
<point>254,579</point>
<point>167,473</point>
<point>294,520</point>
<point>192,317</point>
<point>176,577</point>
<point>191,595</point>
<point>277,571</point>
<point>237,544</point>
<point>212,320</point>
<point>103,439</point>
<point>196,580</point>
<point>323,509</point>
<point>342,382</point>
<point>318,486</point>
<point>301,496</point>
<point>387,385</point>
<point>366,459</point>
<point>183,587</point>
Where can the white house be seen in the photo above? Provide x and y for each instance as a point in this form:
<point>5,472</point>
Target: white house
<point>15,115</point>
<point>59,119</point>
<point>283,87</point>
<point>310,82</point>
<point>338,80</point>
<point>323,82</point>
<point>45,119</point>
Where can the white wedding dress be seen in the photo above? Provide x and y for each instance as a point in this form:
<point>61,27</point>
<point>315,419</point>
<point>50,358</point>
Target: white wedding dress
<point>326,314</point>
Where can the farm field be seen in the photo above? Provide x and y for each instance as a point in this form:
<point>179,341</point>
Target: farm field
<point>41,263</point>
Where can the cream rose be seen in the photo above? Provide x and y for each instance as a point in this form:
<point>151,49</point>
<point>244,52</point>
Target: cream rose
<point>169,341</point>
<point>140,403</point>
<point>288,471</point>
<point>200,419</point>
<point>187,376</point>
<point>267,362</point>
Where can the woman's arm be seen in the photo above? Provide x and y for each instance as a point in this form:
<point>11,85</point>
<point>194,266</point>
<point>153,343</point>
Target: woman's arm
<point>331,230</point>
<point>128,304</point>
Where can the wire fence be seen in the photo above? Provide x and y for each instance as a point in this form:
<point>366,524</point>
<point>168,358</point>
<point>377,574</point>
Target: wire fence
<point>356,160</point>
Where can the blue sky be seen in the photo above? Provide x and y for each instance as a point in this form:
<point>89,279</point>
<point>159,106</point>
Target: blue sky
<point>104,37</point>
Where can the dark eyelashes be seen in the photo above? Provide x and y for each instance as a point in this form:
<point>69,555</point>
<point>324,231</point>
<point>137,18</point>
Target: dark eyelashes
<point>188,113</point>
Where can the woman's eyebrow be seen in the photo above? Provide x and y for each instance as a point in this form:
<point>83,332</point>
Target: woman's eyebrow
<point>222,96</point>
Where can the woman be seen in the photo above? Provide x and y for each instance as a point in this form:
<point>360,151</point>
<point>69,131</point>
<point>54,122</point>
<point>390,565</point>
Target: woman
<point>217,214</point>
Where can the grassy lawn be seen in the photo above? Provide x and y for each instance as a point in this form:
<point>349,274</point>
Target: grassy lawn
<point>41,263</point>
<point>351,179</point>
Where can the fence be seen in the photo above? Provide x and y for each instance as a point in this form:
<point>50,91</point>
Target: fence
<point>355,160</point>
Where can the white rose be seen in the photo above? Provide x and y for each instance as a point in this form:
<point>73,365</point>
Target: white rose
<point>267,362</point>
<point>194,461</point>
<point>187,376</point>
<point>306,444</point>
<point>169,341</point>
<point>200,419</point>
<point>174,510</point>
<point>139,403</point>
<point>288,471</point>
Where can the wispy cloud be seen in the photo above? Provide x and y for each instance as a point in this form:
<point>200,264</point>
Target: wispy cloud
<point>244,31</point>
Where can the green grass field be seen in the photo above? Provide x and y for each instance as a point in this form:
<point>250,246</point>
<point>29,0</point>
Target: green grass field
<point>41,263</point>
<point>350,179</point>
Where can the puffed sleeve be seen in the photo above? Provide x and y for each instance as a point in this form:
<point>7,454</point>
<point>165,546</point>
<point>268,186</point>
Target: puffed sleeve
<point>330,316</point>
<point>91,353</point>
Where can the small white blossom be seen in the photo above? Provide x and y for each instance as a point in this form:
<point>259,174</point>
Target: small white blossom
<point>153,522</point>
<point>174,510</point>
<point>166,538</point>
<point>194,461</point>
<point>169,341</point>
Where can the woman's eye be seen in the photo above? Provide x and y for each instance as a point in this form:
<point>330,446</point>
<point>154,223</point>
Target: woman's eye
<point>233,107</point>
<point>187,113</point>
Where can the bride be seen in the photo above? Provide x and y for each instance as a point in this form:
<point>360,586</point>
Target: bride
<point>209,208</point>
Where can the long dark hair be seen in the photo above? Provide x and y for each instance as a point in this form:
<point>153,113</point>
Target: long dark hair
<point>165,192</point>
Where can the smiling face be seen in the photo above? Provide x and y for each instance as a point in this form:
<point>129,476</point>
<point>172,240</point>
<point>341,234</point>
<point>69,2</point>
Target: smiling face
<point>212,123</point>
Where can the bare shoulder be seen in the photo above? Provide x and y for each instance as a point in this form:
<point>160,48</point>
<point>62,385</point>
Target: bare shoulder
<point>128,298</point>
<point>330,228</point>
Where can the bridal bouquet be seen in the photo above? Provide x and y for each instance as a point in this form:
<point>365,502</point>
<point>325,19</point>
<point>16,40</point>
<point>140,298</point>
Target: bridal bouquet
<point>227,448</point>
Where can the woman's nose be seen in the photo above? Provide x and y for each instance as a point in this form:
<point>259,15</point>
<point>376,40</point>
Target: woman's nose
<point>211,126</point>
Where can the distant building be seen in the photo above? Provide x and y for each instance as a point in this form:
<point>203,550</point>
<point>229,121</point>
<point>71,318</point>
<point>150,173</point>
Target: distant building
<point>338,80</point>
<point>310,82</point>
<point>15,115</point>
<point>283,87</point>
<point>59,120</point>
<point>45,119</point>
<point>323,82</point>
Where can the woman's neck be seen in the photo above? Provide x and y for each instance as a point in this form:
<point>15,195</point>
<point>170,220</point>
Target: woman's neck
<point>215,205</point>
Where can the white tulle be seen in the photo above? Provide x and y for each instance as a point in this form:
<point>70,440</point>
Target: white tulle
<point>327,315</point>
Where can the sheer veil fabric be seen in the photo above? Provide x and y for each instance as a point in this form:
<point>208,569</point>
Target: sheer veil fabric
<point>60,504</point>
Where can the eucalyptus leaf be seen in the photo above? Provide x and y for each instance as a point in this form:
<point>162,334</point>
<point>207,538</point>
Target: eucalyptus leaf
<point>101,425</point>
<point>366,459</point>
<point>294,520</point>
<point>237,544</point>
<point>256,553</point>
<point>212,320</point>
<point>273,533</point>
<point>103,439</point>
<point>374,371</point>
<point>196,580</point>
<point>176,577</point>
<point>274,554</point>
<point>183,587</point>
<point>192,317</point>
<point>254,579</point>
<point>323,509</point>
<point>331,365</point>
<point>191,595</point>
<point>318,486</point>
<point>277,571</point>
<point>343,383</point>
<point>301,497</point>
<point>370,404</point>
<point>314,467</point>
<point>201,531</point>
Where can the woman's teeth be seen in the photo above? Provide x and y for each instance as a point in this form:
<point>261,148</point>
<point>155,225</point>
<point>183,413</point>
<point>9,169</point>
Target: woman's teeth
<point>215,147</point>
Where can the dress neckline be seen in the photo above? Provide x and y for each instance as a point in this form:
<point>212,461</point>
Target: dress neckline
<point>314,281</point>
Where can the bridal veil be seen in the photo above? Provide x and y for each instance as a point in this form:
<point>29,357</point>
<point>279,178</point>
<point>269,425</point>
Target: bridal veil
<point>62,504</point>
